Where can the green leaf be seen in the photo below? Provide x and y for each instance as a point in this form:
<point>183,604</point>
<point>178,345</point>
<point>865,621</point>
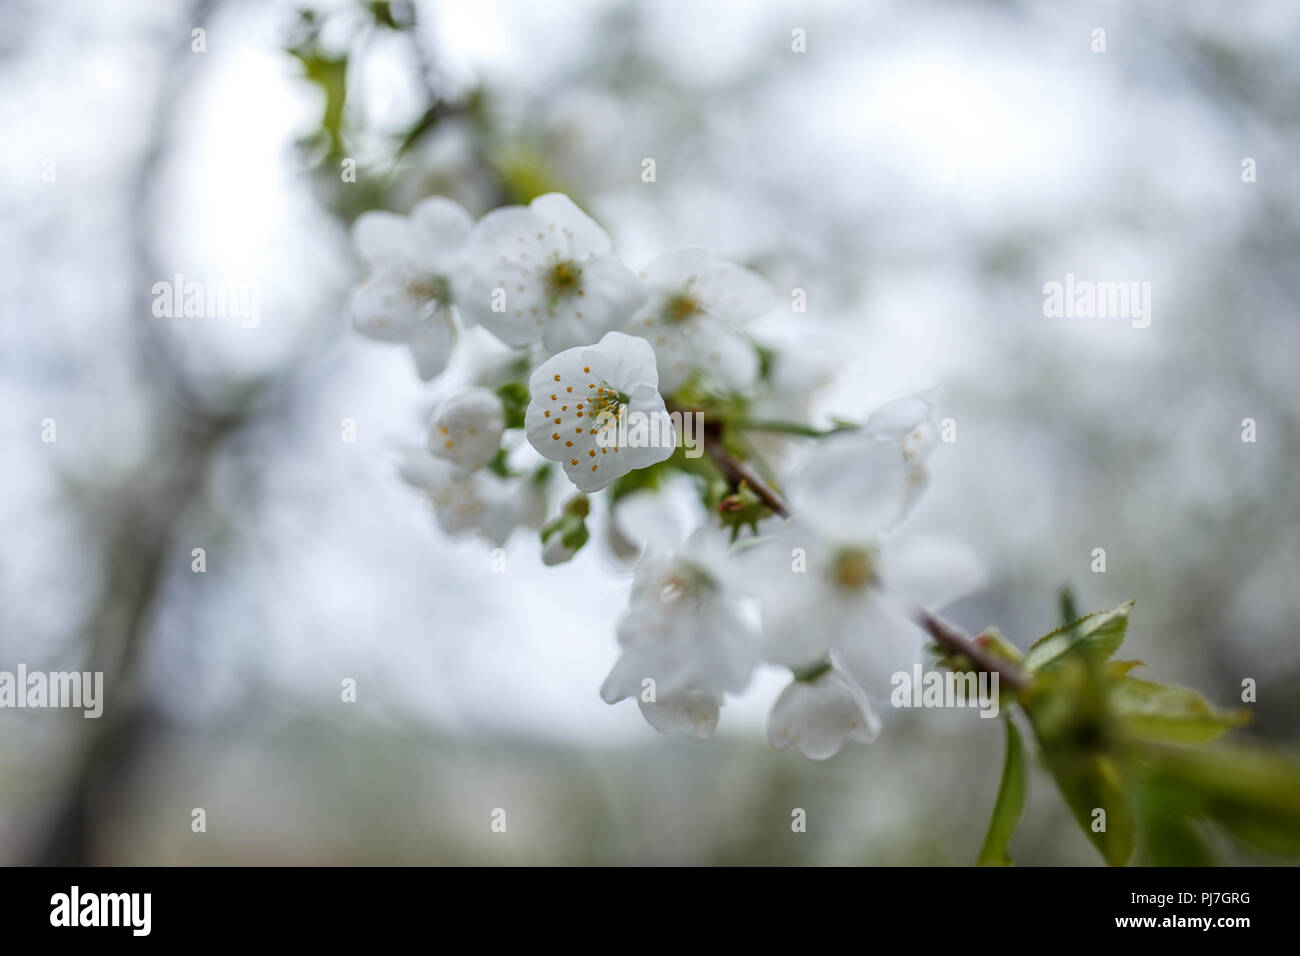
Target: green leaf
<point>1008,806</point>
<point>1099,635</point>
<point>1117,669</point>
<point>1166,712</point>
<point>1080,743</point>
<point>1253,794</point>
<point>1168,835</point>
<point>514,399</point>
<point>1096,782</point>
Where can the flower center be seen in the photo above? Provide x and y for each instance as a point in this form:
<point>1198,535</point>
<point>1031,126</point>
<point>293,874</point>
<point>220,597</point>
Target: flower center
<point>565,279</point>
<point>680,307</point>
<point>607,401</point>
<point>853,569</point>
<point>435,288</point>
<point>685,582</point>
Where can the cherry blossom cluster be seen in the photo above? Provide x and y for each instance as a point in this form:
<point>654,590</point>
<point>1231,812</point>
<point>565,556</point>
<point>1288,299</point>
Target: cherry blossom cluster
<point>830,593</point>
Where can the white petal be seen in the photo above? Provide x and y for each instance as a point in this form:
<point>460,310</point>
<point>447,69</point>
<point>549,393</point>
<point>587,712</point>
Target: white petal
<point>384,239</point>
<point>467,427</point>
<point>853,487</point>
<point>383,308</point>
<point>876,639</point>
<point>725,290</point>
<point>507,252</point>
<point>441,231</point>
<point>930,570</point>
<point>652,519</point>
<point>611,293</point>
<point>725,354</point>
<point>627,361</point>
<point>818,716</point>
<point>508,299</point>
<point>555,551</point>
<point>431,343</point>
<point>576,234</point>
<point>899,417</point>
<point>691,711</point>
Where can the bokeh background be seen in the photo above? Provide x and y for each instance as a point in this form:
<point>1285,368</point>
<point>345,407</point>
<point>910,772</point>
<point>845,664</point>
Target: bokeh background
<point>921,171</point>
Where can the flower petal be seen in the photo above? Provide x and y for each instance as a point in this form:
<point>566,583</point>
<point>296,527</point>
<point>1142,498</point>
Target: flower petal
<point>818,716</point>
<point>875,640</point>
<point>690,711</point>
<point>384,309</point>
<point>431,344</point>
<point>467,428</point>
<point>577,234</point>
<point>441,230</point>
<point>930,570</point>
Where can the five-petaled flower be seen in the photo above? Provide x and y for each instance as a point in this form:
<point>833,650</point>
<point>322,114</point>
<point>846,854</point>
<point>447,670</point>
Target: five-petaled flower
<point>545,272</point>
<point>692,317</point>
<point>413,262</point>
<point>575,398</point>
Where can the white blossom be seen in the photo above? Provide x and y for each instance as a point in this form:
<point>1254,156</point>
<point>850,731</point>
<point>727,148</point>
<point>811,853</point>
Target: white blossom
<point>684,638</point>
<point>467,428</point>
<point>692,315</point>
<point>571,392</point>
<point>819,713</point>
<point>545,272</point>
<point>413,262</point>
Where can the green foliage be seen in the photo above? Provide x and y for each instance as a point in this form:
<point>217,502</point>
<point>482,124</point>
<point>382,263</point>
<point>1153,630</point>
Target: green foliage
<point>1252,794</point>
<point>1082,746</point>
<point>328,73</point>
<point>1164,712</point>
<point>1008,806</point>
<point>740,509</point>
<point>571,525</point>
<point>514,397</point>
<point>1121,744</point>
<point>1098,635</point>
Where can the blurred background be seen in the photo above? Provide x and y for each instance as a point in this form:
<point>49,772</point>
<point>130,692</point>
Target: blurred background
<point>922,169</point>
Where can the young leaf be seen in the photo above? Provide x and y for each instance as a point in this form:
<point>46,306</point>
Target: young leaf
<point>1008,806</point>
<point>1098,635</point>
<point>1165,712</point>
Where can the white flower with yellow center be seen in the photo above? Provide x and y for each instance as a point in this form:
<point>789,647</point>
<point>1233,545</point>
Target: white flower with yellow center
<point>545,271</point>
<point>575,401</point>
<point>407,297</point>
<point>819,711</point>
<point>467,428</point>
<point>692,316</point>
<point>853,601</point>
<point>685,640</point>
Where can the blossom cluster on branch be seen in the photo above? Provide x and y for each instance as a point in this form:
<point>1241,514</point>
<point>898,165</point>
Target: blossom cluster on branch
<point>829,592</point>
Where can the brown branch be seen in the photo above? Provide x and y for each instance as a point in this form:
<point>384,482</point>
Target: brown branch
<point>736,471</point>
<point>956,641</point>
